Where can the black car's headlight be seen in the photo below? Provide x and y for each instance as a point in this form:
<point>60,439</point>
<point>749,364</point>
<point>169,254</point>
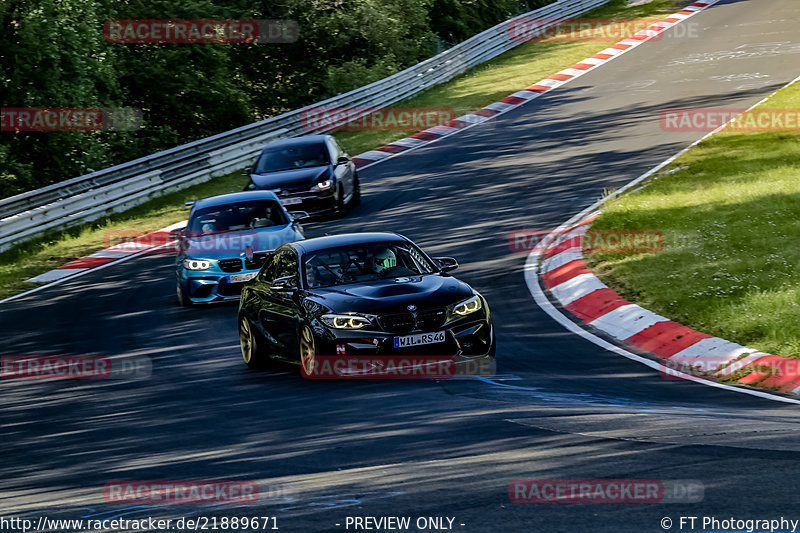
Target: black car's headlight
<point>197,264</point>
<point>467,307</point>
<point>346,321</point>
<point>323,185</point>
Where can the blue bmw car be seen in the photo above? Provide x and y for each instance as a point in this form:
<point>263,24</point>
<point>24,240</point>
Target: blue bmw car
<point>226,242</point>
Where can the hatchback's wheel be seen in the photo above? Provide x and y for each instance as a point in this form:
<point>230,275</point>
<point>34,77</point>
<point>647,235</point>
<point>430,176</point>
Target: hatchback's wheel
<point>308,351</point>
<point>251,352</point>
<point>356,199</point>
<point>341,206</point>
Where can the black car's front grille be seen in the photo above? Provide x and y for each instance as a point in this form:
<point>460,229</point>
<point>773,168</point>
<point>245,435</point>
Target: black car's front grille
<point>230,265</point>
<point>426,320</point>
<point>399,323</point>
<point>431,319</point>
<point>257,262</point>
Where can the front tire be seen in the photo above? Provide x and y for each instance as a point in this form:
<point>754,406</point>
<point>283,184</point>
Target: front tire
<point>252,354</point>
<point>183,301</point>
<point>341,206</point>
<point>356,199</point>
<point>308,351</point>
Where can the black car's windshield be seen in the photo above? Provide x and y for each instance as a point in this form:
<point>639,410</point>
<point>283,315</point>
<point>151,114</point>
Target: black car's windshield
<point>363,262</point>
<point>292,157</point>
<point>253,214</point>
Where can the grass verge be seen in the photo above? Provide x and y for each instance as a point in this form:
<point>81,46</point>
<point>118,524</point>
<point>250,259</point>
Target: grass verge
<point>478,87</point>
<point>730,213</point>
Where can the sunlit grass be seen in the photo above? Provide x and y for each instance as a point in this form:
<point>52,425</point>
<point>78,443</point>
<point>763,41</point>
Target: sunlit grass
<point>731,215</point>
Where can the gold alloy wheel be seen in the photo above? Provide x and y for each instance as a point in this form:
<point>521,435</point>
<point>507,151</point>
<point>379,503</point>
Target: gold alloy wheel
<point>246,340</point>
<point>308,352</point>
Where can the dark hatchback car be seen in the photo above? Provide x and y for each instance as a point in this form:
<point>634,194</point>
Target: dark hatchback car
<point>310,173</point>
<point>360,294</point>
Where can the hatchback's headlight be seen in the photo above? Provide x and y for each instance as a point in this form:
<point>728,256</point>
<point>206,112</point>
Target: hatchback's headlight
<point>468,306</point>
<point>345,321</point>
<point>197,264</point>
<point>322,185</point>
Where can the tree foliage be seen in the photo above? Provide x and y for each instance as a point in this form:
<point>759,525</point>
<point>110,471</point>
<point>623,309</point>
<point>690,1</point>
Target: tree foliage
<point>53,54</point>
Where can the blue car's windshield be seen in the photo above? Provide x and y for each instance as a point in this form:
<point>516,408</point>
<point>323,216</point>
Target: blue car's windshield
<point>292,157</point>
<point>253,214</point>
<point>363,262</point>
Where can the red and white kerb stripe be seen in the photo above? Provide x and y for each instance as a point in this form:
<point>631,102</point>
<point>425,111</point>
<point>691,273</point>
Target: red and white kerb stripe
<point>565,274</point>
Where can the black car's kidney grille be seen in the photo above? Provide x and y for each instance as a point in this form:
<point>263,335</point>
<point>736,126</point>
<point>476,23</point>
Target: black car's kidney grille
<point>431,319</point>
<point>426,320</point>
<point>257,262</point>
<point>230,265</point>
<point>399,323</point>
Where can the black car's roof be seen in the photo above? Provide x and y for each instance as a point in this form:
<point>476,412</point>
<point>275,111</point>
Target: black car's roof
<point>305,140</point>
<point>345,239</point>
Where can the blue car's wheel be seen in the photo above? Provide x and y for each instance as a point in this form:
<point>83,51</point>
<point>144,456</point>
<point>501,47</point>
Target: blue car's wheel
<point>182,299</point>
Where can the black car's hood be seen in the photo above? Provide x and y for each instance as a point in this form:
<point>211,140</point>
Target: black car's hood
<point>393,295</point>
<point>291,180</point>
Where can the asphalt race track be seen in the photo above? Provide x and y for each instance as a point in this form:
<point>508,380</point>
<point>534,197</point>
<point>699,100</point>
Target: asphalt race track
<point>559,408</point>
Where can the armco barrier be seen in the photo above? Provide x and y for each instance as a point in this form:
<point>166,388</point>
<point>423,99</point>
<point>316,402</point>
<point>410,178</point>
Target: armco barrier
<point>92,196</point>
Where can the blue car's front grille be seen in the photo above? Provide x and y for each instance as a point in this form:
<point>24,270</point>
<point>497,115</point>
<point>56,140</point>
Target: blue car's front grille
<point>230,265</point>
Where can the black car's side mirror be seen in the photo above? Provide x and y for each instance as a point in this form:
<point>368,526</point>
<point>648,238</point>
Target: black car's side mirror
<point>446,264</point>
<point>343,160</point>
<point>284,284</point>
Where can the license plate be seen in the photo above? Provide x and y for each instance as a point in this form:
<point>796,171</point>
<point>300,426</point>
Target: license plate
<point>418,339</point>
<point>241,278</point>
<point>291,201</point>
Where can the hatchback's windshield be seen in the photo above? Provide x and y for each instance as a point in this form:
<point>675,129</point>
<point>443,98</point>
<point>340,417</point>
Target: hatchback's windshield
<point>363,262</point>
<point>292,157</point>
<point>253,214</point>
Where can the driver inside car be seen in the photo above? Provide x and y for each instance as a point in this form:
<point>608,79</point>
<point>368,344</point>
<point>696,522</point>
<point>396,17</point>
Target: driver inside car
<point>383,261</point>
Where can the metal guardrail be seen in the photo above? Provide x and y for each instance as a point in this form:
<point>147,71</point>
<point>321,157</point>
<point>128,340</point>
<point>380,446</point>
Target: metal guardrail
<point>92,196</point>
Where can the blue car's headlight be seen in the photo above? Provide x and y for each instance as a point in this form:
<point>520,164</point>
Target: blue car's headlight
<point>197,264</point>
<point>468,306</point>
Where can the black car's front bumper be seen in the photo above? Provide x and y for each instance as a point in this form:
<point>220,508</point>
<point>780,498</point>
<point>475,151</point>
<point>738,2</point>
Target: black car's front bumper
<point>463,338</point>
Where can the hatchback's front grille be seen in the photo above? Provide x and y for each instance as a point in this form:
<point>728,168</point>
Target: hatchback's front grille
<point>427,320</point>
<point>230,265</point>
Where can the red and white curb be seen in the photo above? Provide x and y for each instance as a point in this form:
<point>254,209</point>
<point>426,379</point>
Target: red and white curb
<point>423,138</point>
<point>112,254</point>
<point>564,273</point>
<point>524,96</point>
